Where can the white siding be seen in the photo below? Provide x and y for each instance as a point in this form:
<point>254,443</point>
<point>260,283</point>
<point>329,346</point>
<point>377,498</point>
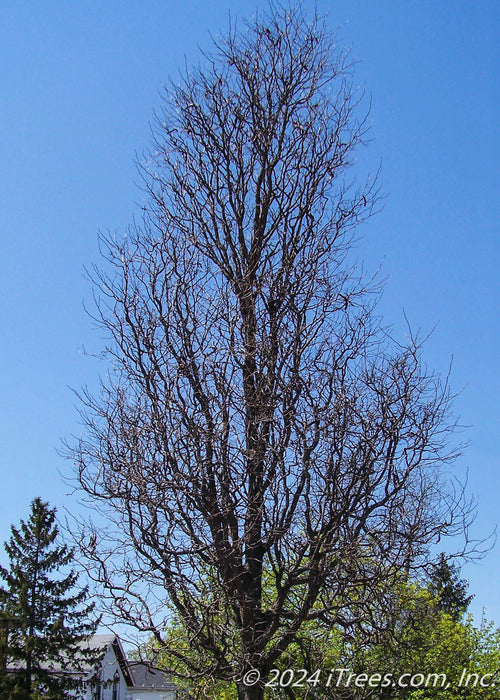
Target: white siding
<point>149,695</point>
<point>111,669</point>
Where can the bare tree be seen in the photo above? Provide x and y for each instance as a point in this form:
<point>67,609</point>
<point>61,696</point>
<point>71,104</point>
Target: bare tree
<point>265,453</point>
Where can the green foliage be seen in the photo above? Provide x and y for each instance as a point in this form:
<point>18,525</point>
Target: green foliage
<point>421,645</point>
<point>194,678</point>
<point>440,656</point>
<point>43,616</point>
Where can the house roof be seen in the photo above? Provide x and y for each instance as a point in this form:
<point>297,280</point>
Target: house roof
<point>99,641</point>
<point>137,674</point>
<point>143,676</point>
<point>62,663</point>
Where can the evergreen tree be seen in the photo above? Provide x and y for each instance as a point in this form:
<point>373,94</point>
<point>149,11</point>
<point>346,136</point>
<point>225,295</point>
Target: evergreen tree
<point>448,589</point>
<point>3,644</point>
<point>44,612</point>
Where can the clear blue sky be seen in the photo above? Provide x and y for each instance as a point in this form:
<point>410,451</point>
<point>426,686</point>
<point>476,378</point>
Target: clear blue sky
<point>78,86</point>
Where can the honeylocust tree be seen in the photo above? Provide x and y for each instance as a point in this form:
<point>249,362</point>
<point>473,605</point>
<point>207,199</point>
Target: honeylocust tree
<point>44,617</point>
<point>265,454</point>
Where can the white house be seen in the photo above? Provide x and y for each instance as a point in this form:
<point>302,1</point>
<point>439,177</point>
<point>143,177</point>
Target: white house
<point>119,679</point>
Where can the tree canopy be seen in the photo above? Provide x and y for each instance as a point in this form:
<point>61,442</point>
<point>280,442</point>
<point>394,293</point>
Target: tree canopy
<point>266,455</point>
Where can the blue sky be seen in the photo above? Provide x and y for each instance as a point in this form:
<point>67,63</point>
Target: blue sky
<point>78,86</point>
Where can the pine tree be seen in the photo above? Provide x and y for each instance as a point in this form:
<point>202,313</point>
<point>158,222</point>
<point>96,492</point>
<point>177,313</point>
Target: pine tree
<point>450,591</point>
<point>44,611</point>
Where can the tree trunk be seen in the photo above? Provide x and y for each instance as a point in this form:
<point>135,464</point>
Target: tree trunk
<point>250,692</point>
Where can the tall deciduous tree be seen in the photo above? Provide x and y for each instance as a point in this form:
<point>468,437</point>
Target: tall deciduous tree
<point>266,455</point>
<point>44,614</point>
